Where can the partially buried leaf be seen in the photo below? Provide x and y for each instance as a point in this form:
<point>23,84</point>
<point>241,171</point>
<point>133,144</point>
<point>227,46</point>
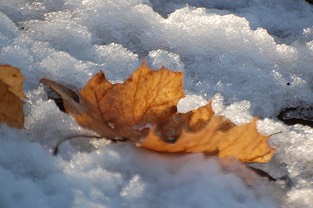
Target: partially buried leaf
<point>143,110</point>
<point>11,95</point>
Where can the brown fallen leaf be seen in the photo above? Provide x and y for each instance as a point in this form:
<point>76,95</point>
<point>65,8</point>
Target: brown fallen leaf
<point>145,98</point>
<point>11,95</point>
<point>143,110</point>
<point>124,110</point>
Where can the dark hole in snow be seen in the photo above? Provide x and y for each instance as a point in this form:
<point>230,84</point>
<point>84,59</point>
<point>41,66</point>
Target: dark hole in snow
<point>309,1</point>
<point>297,115</point>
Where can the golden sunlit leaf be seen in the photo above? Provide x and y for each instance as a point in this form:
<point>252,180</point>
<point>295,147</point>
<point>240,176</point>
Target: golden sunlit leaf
<point>124,109</point>
<point>146,97</point>
<point>143,110</point>
<point>11,93</point>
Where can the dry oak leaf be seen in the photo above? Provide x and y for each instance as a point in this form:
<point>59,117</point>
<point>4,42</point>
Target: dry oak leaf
<point>143,110</point>
<point>11,95</point>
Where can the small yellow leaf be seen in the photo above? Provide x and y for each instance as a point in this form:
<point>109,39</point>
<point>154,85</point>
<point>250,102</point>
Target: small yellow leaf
<point>11,93</point>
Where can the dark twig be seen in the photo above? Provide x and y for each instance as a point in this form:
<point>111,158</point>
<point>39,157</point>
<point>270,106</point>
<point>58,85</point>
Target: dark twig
<point>59,143</point>
<point>279,132</point>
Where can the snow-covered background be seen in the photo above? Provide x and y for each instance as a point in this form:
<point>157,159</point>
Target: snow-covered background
<point>257,54</point>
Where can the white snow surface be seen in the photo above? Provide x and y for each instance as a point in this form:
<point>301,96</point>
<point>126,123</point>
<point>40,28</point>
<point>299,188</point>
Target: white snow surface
<point>254,57</point>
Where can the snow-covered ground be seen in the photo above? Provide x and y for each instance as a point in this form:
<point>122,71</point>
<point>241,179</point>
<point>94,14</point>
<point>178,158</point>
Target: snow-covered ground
<point>258,55</point>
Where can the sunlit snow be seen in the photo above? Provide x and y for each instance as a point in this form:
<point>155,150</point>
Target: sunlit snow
<point>254,57</point>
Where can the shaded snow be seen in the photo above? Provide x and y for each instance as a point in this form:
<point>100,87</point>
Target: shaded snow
<point>118,175</point>
<point>256,54</point>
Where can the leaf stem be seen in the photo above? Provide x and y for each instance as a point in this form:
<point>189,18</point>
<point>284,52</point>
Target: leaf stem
<point>59,143</point>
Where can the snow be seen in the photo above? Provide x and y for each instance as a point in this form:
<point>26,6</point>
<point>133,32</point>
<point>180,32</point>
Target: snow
<point>254,57</point>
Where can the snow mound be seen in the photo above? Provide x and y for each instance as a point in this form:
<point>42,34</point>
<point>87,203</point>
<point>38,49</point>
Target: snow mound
<point>254,57</point>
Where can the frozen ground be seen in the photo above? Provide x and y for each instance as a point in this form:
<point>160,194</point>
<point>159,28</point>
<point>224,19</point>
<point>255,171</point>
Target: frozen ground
<point>257,54</point>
